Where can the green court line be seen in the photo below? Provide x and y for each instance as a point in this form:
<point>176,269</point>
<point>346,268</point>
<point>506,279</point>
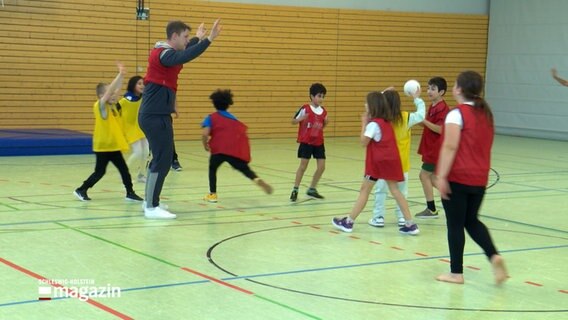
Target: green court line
<point>9,206</point>
<point>173,265</point>
<point>287,307</point>
<point>118,245</point>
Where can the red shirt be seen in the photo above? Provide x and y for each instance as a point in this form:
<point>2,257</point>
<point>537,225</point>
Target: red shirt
<point>159,74</point>
<point>229,137</point>
<point>310,130</point>
<point>473,158</point>
<point>382,160</point>
<point>431,141</point>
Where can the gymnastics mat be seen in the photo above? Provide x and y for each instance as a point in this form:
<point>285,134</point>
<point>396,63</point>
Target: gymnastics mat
<point>35,142</point>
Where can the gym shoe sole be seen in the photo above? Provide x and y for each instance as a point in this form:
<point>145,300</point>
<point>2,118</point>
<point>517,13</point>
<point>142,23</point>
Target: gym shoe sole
<point>427,214</point>
<point>210,198</point>
<point>315,195</point>
<point>379,223</point>
<point>162,205</point>
<point>158,214</point>
<point>80,197</point>
<point>410,230</point>
<point>294,196</point>
<point>342,224</point>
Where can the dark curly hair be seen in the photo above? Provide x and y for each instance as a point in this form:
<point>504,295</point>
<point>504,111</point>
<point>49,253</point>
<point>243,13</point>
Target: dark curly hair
<point>222,99</point>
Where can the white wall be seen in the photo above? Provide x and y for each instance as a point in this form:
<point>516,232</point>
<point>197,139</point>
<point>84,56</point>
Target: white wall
<point>438,6</point>
<point>526,39</point>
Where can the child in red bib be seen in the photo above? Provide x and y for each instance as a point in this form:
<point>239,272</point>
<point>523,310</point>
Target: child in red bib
<point>462,174</point>
<point>226,138</point>
<point>382,161</point>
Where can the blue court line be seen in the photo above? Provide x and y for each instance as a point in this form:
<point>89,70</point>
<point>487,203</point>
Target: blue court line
<point>382,263</point>
<point>523,224</point>
<point>275,274</point>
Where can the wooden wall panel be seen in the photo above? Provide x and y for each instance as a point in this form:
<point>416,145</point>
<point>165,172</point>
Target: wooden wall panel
<point>56,51</point>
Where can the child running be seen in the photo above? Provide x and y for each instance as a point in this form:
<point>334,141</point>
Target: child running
<point>226,138</point>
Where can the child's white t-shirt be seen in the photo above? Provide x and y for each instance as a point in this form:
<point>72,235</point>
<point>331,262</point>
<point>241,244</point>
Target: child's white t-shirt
<point>455,116</point>
<point>317,110</point>
<point>373,131</point>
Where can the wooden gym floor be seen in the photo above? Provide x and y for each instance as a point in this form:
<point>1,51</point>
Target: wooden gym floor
<point>253,256</point>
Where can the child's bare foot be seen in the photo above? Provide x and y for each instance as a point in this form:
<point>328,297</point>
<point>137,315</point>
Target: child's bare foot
<point>451,278</point>
<point>499,270</point>
<point>265,186</point>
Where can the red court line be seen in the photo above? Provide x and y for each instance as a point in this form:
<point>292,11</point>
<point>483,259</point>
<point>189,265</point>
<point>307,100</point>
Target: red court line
<point>421,254</point>
<point>295,222</point>
<point>217,281</point>
<point>473,268</point>
<point>354,237</point>
<point>533,283</point>
<point>333,231</point>
<point>397,248</point>
<point>563,291</point>
<point>445,260</point>
<point>315,227</point>
<point>375,242</point>
<point>54,284</point>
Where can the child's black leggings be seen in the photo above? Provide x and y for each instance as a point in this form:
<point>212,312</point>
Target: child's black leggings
<point>462,212</point>
<point>103,158</point>
<point>216,160</point>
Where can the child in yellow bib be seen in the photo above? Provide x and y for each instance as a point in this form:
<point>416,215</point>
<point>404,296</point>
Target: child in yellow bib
<point>129,106</point>
<point>403,122</point>
<point>108,139</point>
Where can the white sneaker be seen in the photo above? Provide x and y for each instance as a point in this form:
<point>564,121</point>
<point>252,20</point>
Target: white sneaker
<point>401,222</point>
<point>377,222</point>
<point>158,213</point>
<point>162,205</point>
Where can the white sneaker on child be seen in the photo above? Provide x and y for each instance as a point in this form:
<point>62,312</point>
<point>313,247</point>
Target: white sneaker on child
<point>158,213</point>
<point>377,222</point>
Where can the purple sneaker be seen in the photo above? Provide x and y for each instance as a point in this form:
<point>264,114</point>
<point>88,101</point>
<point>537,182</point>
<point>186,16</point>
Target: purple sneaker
<point>412,229</point>
<point>342,224</point>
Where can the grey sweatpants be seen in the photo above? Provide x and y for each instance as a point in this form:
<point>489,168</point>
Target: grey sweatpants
<point>159,131</point>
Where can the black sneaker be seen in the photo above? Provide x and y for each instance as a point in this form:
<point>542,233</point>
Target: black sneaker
<point>81,195</point>
<point>313,193</point>
<point>131,196</point>
<point>176,166</point>
<point>294,196</point>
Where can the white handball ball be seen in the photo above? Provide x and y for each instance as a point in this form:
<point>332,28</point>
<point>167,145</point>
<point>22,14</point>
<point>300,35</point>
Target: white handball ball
<point>410,87</point>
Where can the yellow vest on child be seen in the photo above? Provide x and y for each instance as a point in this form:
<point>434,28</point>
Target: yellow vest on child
<point>108,135</point>
<point>130,119</point>
<point>403,137</point>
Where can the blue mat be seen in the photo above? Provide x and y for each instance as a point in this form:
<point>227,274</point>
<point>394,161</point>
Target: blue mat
<point>34,142</point>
